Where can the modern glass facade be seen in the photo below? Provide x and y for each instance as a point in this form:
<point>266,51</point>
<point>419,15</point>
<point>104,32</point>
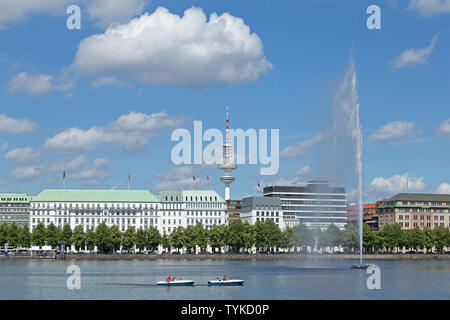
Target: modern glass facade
<point>316,204</point>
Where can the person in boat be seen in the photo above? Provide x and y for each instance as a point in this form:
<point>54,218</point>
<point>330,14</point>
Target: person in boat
<point>225,278</point>
<point>173,278</point>
<point>168,279</point>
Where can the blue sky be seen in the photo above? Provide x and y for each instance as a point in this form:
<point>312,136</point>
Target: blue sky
<point>73,87</point>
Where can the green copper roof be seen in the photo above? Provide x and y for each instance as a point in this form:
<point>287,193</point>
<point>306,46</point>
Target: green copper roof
<point>420,197</point>
<point>185,196</point>
<point>59,195</point>
<point>14,197</point>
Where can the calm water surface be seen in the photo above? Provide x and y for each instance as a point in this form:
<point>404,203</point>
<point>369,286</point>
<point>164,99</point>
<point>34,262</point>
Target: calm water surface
<point>283,279</point>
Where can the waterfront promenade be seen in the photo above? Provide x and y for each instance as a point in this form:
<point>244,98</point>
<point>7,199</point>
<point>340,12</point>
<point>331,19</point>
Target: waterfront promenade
<point>279,256</point>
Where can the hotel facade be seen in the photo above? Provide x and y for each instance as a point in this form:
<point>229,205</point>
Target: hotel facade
<point>127,208</point>
<point>412,210</point>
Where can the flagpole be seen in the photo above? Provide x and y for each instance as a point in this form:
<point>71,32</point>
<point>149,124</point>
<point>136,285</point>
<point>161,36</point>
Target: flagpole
<point>128,180</point>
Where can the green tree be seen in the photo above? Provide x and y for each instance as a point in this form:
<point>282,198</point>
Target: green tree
<point>103,238</point>
<point>116,238</point>
<point>128,239</point>
<point>234,238</point>
<point>190,238</point>
<point>393,236</point>
<point>249,236</point>
<point>441,235</point>
<point>154,238</point>
<point>176,238</point>
<point>25,236</point>
<point>141,239</point>
<point>201,236</point>
<point>13,236</point>
<point>217,237</point>
<point>4,233</point>
<point>302,236</point>
<point>38,235</point>
<point>350,237</point>
<point>333,236</point>
<point>66,235</point>
<point>417,239</point>
<point>90,238</point>
<point>53,235</point>
<point>165,241</point>
<point>429,238</point>
<point>78,237</point>
<point>287,238</point>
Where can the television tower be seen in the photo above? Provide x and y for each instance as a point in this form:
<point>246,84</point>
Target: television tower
<point>228,164</point>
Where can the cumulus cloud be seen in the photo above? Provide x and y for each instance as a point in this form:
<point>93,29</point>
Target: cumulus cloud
<point>443,188</point>
<point>304,171</point>
<point>165,49</point>
<point>394,131</point>
<point>106,12</point>
<point>410,57</point>
<point>38,169</point>
<point>102,12</point>
<point>444,128</point>
<point>17,10</point>
<point>430,7</point>
<point>90,173</point>
<point>10,125</point>
<point>23,155</point>
<point>181,178</point>
<point>131,132</point>
<point>108,81</point>
<point>301,148</point>
<point>100,163</point>
<point>387,187</point>
<point>38,84</point>
<point>26,173</point>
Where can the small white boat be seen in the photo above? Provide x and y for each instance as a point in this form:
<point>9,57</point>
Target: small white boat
<point>176,283</point>
<point>230,282</point>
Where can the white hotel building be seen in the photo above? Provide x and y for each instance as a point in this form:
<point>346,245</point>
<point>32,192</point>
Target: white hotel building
<point>127,208</point>
<point>89,208</point>
<point>189,207</point>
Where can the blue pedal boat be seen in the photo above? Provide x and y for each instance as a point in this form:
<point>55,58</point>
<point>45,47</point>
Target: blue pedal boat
<point>176,283</point>
<point>230,282</point>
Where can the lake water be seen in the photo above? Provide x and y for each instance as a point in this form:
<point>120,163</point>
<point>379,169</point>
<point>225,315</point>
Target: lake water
<point>306,278</point>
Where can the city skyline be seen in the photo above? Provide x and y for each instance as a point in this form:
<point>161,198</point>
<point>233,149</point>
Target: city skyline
<point>65,110</point>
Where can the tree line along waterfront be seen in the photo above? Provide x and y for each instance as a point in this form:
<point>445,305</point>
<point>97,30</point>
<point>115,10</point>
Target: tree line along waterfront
<point>238,237</point>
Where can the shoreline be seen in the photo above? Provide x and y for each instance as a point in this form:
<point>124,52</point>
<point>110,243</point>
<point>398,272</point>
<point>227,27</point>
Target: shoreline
<point>262,257</point>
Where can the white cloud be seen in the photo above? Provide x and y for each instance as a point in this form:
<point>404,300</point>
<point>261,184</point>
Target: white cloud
<point>38,84</point>
<point>411,57</point>
<point>16,126</point>
<point>106,12</point>
<point>87,174</point>
<point>304,171</point>
<point>23,155</point>
<point>180,178</point>
<point>17,10</point>
<point>443,188</point>
<point>387,187</point>
<point>430,7</point>
<point>108,81</point>
<point>301,148</point>
<point>38,169</point>
<point>131,132</point>
<point>100,163</point>
<point>165,49</point>
<point>394,131</point>
<point>26,173</point>
<point>444,128</point>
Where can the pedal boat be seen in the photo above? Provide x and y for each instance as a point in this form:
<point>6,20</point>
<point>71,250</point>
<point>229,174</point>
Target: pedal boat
<point>176,283</point>
<point>230,282</point>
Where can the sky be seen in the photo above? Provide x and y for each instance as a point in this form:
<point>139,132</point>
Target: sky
<point>102,101</point>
